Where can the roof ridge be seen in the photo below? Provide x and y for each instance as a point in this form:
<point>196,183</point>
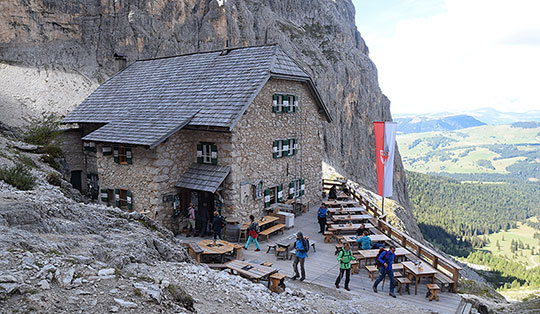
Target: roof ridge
<point>210,51</point>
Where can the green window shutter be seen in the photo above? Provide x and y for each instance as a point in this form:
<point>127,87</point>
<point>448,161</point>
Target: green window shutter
<point>291,189</point>
<point>129,159</point>
<point>295,146</point>
<point>285,147</point>
<point>214,154</point>
<point>106,150</point>
<point>274,149</point>
<point>115,153</point>
<point>266,198</point>
<point>129,200</point>
<point>117,197</point>
<point>295,104</point>
<point>285,107</point>
<point>199,154</point>
<point>302,187</point>
<point>280,193</point>
<point>104,195</point>
<point>274,103</point>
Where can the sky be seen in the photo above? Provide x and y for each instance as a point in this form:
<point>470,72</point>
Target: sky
<point>454,55</point>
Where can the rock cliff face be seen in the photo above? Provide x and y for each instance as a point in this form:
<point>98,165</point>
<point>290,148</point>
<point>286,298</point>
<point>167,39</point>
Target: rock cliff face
<point>94,37</point>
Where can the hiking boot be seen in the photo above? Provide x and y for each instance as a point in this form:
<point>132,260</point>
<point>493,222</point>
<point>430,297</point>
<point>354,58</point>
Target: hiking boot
<point>337,286</point>
<point>347,288</point>
<point>374,289</point>
<point>392,294</point>
<point>294,278</point>
<point>257,250</point>
<point>245,248</point>
<point>302,279</point>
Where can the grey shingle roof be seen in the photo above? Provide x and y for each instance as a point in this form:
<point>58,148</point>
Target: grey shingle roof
<point>203,177</point>
<point>150,99</point>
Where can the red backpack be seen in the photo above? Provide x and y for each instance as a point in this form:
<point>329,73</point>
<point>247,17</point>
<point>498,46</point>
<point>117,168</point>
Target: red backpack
<point>381,250</point>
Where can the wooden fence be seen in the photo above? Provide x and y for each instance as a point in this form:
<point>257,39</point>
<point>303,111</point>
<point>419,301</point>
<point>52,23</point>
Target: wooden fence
<point>449,271</point>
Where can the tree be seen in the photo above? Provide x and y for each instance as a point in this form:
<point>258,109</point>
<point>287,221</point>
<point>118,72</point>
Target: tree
<point>502,237</point>
<point>498,245</point>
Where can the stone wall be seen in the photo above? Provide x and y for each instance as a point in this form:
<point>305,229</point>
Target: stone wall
<point>252,144</point>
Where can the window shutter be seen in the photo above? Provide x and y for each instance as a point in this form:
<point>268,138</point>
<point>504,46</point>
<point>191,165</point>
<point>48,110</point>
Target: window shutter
<point>266,198</point>
<point>129,200</point>
<point>129,159</point>
<point>274,103</point>
<point>294,146</point>
<point>285,103</point>
<point>280,193</point>
<point>214,154</point>
<point>291,189</point>
<point>104,195</point>
<point>117,197</point>
<point>274,149</point>
<point>295,104</point>
<point>285,147</point>
<point>106,150</point>
<point>302,187</point>
<point>199,154</point>
<point>115,153</point>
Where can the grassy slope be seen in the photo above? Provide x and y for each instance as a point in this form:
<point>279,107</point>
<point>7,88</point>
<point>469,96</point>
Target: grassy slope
<point>461,142</point>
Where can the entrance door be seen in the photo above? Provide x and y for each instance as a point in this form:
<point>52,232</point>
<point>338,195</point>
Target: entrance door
<point>206,208</point>
<point>76,177</point>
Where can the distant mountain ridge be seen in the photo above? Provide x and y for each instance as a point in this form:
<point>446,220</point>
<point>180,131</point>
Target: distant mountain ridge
<point>487,115</point>
<point>408,125</point>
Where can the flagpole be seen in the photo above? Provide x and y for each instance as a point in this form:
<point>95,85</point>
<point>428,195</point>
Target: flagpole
<point>384,165</point>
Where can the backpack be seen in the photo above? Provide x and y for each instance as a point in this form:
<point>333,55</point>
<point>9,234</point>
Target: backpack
<point>305,242</point>
<point>378,263</point>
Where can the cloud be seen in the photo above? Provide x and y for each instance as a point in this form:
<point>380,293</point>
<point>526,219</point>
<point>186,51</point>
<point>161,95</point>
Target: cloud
<point>477,53</point>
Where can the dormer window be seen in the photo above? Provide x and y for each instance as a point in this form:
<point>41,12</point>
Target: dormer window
<point>207,153</point>
<point>283,103</point>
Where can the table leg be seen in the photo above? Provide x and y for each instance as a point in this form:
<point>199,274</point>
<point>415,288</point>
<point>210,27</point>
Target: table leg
<point>433,279</point>
<point>416,286</point>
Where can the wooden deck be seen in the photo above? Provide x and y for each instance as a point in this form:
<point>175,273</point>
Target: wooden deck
<point>322,269</point>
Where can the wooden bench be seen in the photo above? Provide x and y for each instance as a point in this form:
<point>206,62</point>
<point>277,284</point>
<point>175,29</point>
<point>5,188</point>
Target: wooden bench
<point>444,280</point>
<point>403,281</point>
<point>242,234</point>
<point>217,266</point>
<point>277,280</point>
<point>238,252</point>
<point>433,291</point>
<point>267,232</point>
<point>267,264</point>
<point>354,265</point>
<point>270,247</point>
<point>195,251</point>
<point>371,269</point>
<point>281,253</point>
<point>328,237</point>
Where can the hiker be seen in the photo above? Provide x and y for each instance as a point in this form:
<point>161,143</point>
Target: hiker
<point>360,231</point>
<point>301,246</point>
<point>385,259</point>
<point>321,216</point>
<point>345,257</point>
<point>365,242</point>
<point>217,224</point>
<point>332,194</point>
<point>191,220</point>
<point>253,233</point>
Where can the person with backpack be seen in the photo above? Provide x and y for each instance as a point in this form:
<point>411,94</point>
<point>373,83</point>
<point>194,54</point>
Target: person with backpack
<point>253,233</point>
<point>302,247</point>
<point>365,242</point>
<point>385,259</point>
<point>217,225</point>
<point>345,258</point>
<point>321,216</point>
<point>190,220</point>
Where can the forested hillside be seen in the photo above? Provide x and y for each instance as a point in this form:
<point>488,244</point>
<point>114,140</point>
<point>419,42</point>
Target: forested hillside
<point>454,215</point>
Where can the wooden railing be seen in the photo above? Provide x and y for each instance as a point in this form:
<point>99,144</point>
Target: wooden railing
<point>437,261</point>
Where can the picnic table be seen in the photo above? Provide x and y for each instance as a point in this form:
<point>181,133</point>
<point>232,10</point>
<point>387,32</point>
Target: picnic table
<point>346,227</point>
<point>342,196</point>
<point>347,218</point>
<point>337,203</point>
<point>374,238</point>
<point>251,271</point>
<point>220,248</point>
<point>263,222</point>
<point>346,211</point>
<point>419,271</point>
<point>372,254</point>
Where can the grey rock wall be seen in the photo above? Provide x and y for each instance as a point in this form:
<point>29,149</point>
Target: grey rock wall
<point>85,36</point>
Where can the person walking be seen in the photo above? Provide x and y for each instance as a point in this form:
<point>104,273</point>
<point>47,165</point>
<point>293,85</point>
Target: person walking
<point>321,216</point>
<point>191,220</point>
<point>217,225</point>
<point>385,260</point>
<point>365,242</point>
<point>345,258</point>
<point>253,233</point>
<point>301,246</point>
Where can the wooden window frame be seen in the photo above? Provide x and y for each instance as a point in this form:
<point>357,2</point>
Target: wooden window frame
<point>123,198</point>
<point>206,153</point>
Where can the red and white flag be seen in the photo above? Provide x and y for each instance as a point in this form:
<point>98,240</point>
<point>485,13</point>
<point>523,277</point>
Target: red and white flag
<point>385,142</point>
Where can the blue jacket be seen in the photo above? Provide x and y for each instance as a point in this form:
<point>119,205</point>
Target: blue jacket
<point>301,251</point>
<point>387,258</point>
<point>366,242</point>
<point>321,213</point>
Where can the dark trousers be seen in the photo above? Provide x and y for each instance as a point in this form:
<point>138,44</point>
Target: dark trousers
<point>377,245</point>
<point>204,226</point>
<point>217,233</point>
<point>347,276</point>
<point>322,224</point>
<point>384,272</point>
<point>295,266</point>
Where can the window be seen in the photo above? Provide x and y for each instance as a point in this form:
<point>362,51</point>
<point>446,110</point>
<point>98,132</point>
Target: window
<point>122,155</point>
<point>207,153</point>
<point>287,147</point>
<point>258,193</point>
<point>123,198</point>
<point>296,188</point>
<point>89,146</point>
<point>282,103</point>
<point>273,195</point>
